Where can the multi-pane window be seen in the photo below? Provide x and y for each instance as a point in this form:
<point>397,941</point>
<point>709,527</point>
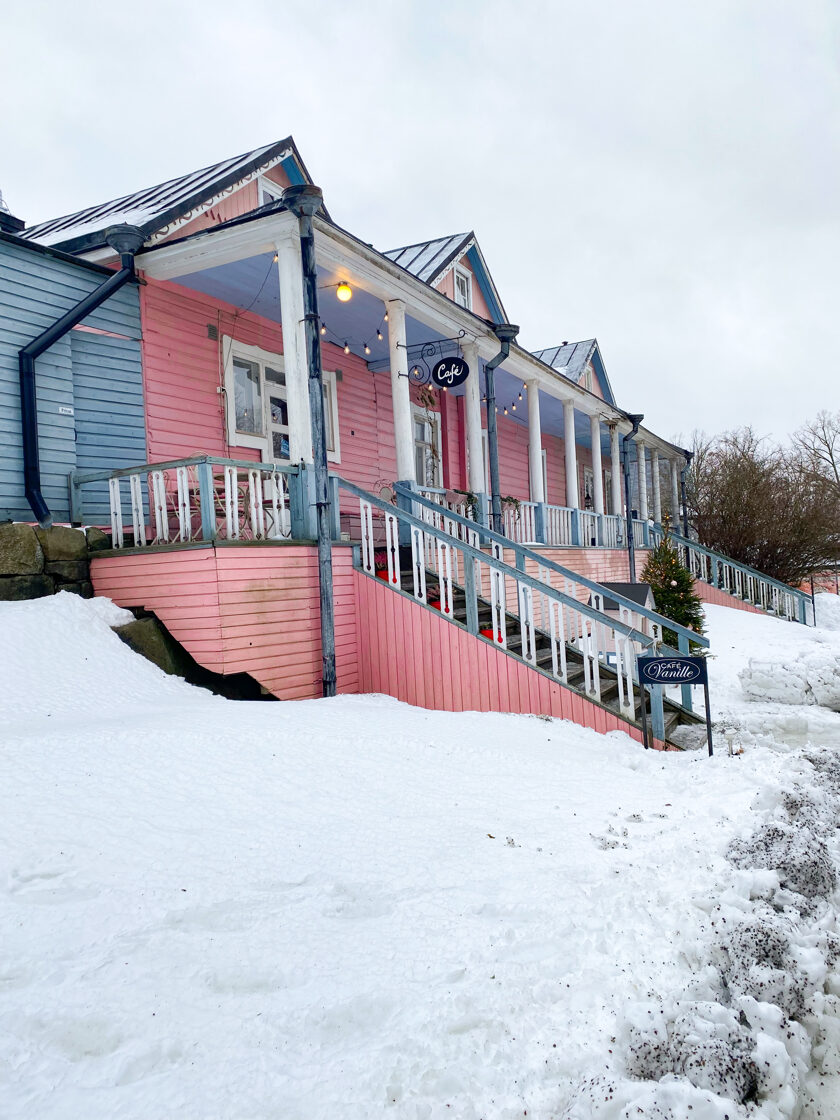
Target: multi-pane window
<point>247,394</point>
<point>463,288</point>
<point>426,450</point>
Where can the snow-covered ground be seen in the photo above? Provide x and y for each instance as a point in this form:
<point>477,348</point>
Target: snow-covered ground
<point>357,909</point>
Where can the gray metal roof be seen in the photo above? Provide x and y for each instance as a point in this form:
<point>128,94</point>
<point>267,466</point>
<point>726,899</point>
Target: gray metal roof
<point>569,359</point>
<point>155,207</point>
<point>427,259</point>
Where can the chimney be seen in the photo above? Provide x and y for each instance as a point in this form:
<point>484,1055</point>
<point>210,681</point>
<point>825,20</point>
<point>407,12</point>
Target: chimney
<point>8,222</point>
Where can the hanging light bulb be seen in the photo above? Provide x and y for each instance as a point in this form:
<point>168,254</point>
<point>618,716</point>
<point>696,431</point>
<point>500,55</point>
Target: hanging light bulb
<point>513,406</point>
<point>346,347</point>
<point>323,329</point>
<point>379,335</point>
<point>276,258</point>
<point>520,394</point>
<point>505,410</point>
<point>367,348</point>
<point>344,291</point>
<point>386,316</point>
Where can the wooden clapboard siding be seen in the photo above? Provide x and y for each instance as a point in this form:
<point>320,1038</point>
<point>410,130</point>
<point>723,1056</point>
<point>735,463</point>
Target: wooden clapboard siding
<point>721,598</point>
<point>409,651</point>
<point>249,609</point>
<point>36,289</point>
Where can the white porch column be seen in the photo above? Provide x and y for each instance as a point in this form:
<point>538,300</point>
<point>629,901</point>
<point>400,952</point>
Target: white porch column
<point>400,394</point>
<point>476,481</point>
<point>572,499</point>
<point>535,442</point>
<point>290,275</point>
<point>657,486</point>
<point>616,479</point>
<point>675,494</point>
<point>643,499</point>
<point>597,472</point>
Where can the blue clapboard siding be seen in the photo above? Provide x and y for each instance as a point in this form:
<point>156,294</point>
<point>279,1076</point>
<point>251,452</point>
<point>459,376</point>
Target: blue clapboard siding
<point>36,288</point>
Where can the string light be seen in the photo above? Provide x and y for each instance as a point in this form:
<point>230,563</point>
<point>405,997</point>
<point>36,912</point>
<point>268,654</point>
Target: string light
<point>323,329</point>
<point>520,394</point>
<point>513,406</point>
<point>367,348</point>
<point>344,291</point>
<point>276,258</point>
<point>346,347</point>
<point>386,316</point>
<point>379,332</point>
<point>505,410</point>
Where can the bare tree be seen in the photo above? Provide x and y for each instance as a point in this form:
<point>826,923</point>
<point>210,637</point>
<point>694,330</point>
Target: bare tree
<point>764,505</point>
<point>819,444</point>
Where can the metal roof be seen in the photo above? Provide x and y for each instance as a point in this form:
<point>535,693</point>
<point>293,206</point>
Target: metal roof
<point>155,207</point>
<point>569,359</point>
<point>427,259</point>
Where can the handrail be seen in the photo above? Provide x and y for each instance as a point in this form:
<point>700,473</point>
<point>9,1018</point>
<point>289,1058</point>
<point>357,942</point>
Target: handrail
<point>82,477</point>
<point>476,554</point>
<point>528,554</point>
<point>714,555</point>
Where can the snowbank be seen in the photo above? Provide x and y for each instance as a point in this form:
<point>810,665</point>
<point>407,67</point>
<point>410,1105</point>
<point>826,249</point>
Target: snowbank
<point>354,908</point>
<point>827,610</point>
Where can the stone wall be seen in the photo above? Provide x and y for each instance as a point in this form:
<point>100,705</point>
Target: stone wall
<point>35,562</point>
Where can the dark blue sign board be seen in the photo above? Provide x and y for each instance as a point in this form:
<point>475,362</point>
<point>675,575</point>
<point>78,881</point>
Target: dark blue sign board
<point>673,670</point>
<point>665,671</point>
<point>450,372</point>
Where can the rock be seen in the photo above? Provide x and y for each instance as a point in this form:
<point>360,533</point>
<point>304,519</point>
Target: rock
<point>60,542</point>
<point>97,540</point>
<point>146,637</point>
<point>18,588</point>
<point>67,571</point>
<point>81,587</point>
<point>20,552</point>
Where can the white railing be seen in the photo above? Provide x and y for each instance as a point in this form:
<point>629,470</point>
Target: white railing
<point>194,499</point>
<point>558,526</point>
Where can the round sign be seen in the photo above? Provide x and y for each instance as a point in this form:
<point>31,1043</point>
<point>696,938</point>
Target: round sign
<point>449,372</point>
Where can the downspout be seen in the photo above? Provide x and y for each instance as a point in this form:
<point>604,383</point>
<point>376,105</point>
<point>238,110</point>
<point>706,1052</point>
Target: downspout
<point>506,333</point>
<point>689,455</point>
<point>126,240</point>
<point>635,419</point>
<point>303,201</point>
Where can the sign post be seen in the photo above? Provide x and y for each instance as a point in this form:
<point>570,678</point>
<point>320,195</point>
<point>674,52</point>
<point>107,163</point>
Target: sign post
<point>676,670</point>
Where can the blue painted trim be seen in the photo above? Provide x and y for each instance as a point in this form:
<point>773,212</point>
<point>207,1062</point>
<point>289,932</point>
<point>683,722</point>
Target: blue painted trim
<point>293,171</point>
<point>601,374</point>
<point>484,284</point>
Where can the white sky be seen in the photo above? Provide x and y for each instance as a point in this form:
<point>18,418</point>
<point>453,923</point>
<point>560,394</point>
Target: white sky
<point>661,175</point>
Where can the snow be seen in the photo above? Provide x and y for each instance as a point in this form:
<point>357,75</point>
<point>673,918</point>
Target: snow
<point>354,908</point>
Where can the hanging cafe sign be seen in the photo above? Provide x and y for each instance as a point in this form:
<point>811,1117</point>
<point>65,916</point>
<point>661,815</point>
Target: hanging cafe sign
<point>449,372</point>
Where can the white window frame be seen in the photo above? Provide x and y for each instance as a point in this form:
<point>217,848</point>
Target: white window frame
<point>232,349</point>
<point>331,403</point>
<point>270,187</point>
<point>588,473</point>
<point>588,378</point>
<point>463,274</point>
<point>544,469</point>
<point>608,494</point>
<point>418,413</point>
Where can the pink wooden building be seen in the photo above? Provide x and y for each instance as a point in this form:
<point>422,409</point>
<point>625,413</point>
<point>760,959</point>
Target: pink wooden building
<point>213,532</point>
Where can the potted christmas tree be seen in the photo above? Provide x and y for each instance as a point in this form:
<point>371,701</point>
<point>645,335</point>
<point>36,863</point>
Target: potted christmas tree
<point>673,587</point>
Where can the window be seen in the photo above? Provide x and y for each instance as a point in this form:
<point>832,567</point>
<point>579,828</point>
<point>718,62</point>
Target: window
<point>588,488</point>
<point>426,448</point>
<point>258,406</point>
<point>463,288</point>
<point>608,494</point>
<point>588,377</point>
<point>268,191</point>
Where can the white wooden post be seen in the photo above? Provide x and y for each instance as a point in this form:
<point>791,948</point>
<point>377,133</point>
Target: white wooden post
<point>400,391</point>
<point>597,472</point>
<point>572,499</point>
<point>615,468</point>
<point>675,494</point>
<point>535,442</point>
<point>656,487</point>
<point>472,417</point>
<point>290,273</point>
<point>643,498</point>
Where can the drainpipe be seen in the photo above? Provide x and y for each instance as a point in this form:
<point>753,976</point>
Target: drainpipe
<point>635,419</point>
<point>303,201</point>
<point>506,333</point>
<point>689,455</point>
<point>126,240</point>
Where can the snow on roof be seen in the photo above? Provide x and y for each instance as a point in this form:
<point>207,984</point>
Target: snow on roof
<point>427,259</point>
<point>570,358</point>
<point>154,207</point>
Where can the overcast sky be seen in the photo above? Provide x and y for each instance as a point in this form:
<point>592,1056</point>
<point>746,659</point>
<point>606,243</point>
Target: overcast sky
<point>664,176</point>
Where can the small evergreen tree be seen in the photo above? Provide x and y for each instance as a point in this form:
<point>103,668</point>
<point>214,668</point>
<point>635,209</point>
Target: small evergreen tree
<point>673,587</point>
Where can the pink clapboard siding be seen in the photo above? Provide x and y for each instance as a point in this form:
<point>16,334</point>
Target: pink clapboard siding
<point>447,286</point>
<point>233,205</point>
<point>409,651</point>
<point>248,608</point>
<point>721,598</point>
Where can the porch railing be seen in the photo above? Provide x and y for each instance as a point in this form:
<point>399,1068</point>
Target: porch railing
<point>570,622</point>
<point>198,499</point>
<point>740,580</point>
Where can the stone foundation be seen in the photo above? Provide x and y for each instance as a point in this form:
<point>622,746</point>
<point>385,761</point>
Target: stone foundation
<point>35,562</point>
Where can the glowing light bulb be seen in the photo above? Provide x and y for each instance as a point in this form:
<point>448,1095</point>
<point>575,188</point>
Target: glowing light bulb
<point>323,329</point>
<point>513,406</point>
<point>505,410</point>
<point>386,316</point>
<point>379,335</point>
<point>346,347</point>
<point>367,348</point>
<point>344,291</point>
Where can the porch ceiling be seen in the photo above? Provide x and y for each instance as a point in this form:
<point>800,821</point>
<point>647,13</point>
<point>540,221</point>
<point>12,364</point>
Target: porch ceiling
<point>252,284</point>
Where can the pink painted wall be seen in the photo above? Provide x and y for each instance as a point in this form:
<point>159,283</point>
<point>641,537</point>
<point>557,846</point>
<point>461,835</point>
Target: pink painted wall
<point>446,285</point>
<point>399,639</point>
<point>233,205</point>
<point>714,595</point>
<point>246,608</point>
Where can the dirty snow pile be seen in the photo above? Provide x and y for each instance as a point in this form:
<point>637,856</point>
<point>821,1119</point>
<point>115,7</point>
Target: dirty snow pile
<point>357,909</point>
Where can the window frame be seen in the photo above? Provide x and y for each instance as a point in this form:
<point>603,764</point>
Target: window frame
<point>465,275</point>
<point>270,187</point>
<point>418,413</point>
<point>331,403</point>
